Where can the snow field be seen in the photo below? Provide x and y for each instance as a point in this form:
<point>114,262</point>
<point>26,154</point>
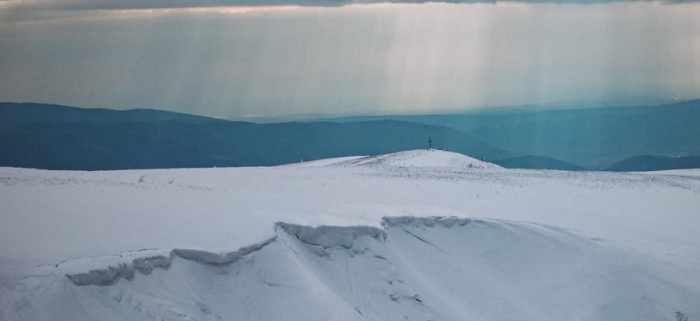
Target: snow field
<point>415,235</point>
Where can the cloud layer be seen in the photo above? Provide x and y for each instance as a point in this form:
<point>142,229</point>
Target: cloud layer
<point>273,61</point>
<point>163,4</point>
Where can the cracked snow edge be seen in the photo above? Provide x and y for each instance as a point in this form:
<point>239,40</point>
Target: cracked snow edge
<point>145,261</point>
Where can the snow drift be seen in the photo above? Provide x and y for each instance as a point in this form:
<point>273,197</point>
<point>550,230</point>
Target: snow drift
<point>413,268</point>
<point>349,239</point>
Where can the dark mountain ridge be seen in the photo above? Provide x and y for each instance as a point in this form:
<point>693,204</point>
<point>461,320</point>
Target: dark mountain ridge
<point>647,163</point>
<point>594,138</point>
<point>537,162</point>
<point>59,137</point>
<point>33,113</point>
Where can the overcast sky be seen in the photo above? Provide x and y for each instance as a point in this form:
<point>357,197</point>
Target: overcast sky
<point>243,58</point>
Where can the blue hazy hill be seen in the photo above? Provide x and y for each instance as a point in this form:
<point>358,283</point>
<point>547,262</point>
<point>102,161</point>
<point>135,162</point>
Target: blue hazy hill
<point>537,162</point>
<point>654,163</point>
<point>33,113</point>
<point>593,138</point>
<point>59,137</point>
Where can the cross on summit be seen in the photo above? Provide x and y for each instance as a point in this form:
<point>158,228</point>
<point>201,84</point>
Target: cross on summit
<point>430,143</point>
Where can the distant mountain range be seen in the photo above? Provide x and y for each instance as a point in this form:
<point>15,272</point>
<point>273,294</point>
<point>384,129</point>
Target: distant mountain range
<point>60,137</point>
<point>654,163</point>
<point>537,162</point>
<point>592,138</point>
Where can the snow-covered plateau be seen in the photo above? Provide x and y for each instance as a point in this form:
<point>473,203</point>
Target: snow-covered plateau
<point>417,235</point>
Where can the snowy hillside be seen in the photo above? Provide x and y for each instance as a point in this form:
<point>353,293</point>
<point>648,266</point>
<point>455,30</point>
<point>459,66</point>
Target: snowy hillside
<point>412,158</point>
<point>418,235</point>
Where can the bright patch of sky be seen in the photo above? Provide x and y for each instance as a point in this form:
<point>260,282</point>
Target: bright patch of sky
<point>292,60</point>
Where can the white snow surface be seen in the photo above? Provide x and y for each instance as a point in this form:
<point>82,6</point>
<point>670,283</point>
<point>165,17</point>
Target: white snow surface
<point>418,235</point>
<point>413,158</point>
<point>420,158</point>
<point>325,162</point>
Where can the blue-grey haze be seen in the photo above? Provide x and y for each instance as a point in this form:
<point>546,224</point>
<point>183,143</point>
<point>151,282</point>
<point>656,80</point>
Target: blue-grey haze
<point>56,137</point>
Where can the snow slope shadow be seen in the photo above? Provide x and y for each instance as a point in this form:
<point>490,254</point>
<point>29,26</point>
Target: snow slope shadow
<point>432,268</point>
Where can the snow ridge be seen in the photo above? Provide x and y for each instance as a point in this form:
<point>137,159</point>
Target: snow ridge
<point>331,236</point>
<point>430,221</point>
<point>323,236</point>
<point>206,257</point>
<point>112,273</point>
<point>415,268</point>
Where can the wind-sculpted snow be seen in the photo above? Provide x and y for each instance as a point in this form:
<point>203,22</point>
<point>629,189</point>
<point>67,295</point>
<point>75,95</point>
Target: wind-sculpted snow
<point>115,268</point>
<point>324,236</point>
<point>207,257</point>
<point>411,268</point>
<point>614,246</point>
<point>331,236</point>
<point>112,274</point>
<point>147,262</point>
<point>431,221</point>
